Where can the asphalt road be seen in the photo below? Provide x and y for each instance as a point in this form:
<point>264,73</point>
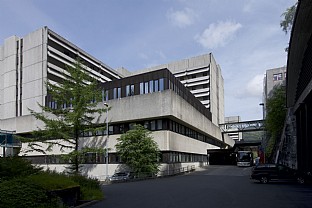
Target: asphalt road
<point>216,186</point>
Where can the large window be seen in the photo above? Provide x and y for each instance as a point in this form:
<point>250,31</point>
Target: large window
<point>161,84</point>
<point>146,87</point>
<point>151,86</point>
<point>277,77</point>
<point>129,90</point>
<point>141,88</point>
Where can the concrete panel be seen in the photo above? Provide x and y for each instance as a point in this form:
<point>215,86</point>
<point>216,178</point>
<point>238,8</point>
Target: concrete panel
<point>32,103</point>
<point>10,46</point>
<point>32,89</point>
<point>32,56</point>
<point>9,94</point>
<point>33,39</point>
<point>9,64</point>
<point>8,111</point>
<point>1,54</point>
<point>9,79</point>
<point>32,72</point>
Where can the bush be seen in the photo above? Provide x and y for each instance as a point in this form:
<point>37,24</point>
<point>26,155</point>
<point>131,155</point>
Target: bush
<point>52,180</point>
<point>90,188</point>
<point>12,167</point>
<point>22,193</point>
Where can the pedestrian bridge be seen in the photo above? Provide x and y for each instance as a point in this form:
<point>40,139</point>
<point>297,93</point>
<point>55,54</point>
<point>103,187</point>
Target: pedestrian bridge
<point>244,126</point>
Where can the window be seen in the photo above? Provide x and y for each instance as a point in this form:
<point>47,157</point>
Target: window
<point>151,86</point>
<point>129,90</point>
<point>146,87</point>
<point>156,85</point>
<point>159,124</point>
<point>161,84</point>
<point>118,92</point>
<point>277,77</point>
<point>153,125</point>
<point>141,88</point>
<point>132,89</point>
<point>115,93</point>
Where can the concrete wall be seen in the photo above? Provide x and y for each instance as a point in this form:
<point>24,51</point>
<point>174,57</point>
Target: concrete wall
<point>8,67</point>
<point>34,70</point>
<point>216,82</point>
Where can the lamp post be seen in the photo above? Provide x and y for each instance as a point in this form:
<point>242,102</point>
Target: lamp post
<point>263,135</point>
<point>106,143</point>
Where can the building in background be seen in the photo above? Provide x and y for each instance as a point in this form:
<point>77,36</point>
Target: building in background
<point>184,124</point>
<point>273,77</point>
<point>237,136</point>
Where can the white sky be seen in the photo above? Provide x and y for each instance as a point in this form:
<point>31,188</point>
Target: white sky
<point>244,36</point>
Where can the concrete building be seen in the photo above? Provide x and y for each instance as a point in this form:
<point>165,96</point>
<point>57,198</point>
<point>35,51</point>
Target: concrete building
<point>202,76</point>
<point>235,135</point>
<point>273,77</point>
<point>181,124</point>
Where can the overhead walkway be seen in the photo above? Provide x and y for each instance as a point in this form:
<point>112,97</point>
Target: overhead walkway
<point>244,126</point>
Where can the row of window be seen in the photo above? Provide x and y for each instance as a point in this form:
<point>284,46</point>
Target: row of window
<point>113,158</point>
<point>155,125</point>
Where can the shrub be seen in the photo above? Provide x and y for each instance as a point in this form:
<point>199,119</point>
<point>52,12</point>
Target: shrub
<point>52,180</point>
<point>22,192</point>
<point>12,167</point>
<point>90,188</point>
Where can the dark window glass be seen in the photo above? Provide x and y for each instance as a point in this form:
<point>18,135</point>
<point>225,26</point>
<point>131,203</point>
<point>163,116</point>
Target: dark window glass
<point>156,85</point>
<point>159,125</point>
<point>151,86</point>
<point>161,84</point>
<point>153,125</point>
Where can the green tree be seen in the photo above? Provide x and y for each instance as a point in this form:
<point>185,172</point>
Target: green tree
<point>275,118</point>
<point>74,111</point>
<point>138,150</point>
<point>288,18</point>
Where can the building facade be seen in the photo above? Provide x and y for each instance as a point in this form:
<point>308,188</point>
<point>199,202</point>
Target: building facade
<point>299,91</point>
<point>273,77</point>
<point>202,76</point>
<point>181,125</point>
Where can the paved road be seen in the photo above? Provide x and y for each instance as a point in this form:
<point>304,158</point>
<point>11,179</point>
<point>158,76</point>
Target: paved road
<point>214,187</point>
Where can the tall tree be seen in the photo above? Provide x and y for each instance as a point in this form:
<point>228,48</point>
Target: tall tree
<point>138,150</point>
<point>72,110</point>
<point>289,16</point>
<point>275,118</point>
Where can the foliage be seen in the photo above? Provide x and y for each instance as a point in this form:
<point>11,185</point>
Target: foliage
<point>138,150</point>
<point>13,167</point>
<point>275,118</point>
<point>74,111</point>
<point>52,180</point>
<point>90,188</point>
<point>22,192</point>
<point>27,186</point>
<point>289,15</point>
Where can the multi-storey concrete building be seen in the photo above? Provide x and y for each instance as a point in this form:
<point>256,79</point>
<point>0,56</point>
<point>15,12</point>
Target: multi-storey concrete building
<point>202,76</point>
<point>181,125</point>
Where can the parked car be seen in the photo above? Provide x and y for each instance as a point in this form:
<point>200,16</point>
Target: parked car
<point>275,172</point>
<point>121,176</point>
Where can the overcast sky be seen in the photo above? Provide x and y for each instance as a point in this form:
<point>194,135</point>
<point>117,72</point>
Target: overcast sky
<point>243,35</point>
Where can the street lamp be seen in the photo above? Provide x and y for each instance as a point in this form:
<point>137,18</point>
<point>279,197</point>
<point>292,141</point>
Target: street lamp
<point>106,143</point>
<point>262,104</point>
<point>263,135</point>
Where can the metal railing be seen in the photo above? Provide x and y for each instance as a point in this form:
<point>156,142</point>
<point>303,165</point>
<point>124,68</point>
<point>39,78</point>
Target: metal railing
<point>146,176</point>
